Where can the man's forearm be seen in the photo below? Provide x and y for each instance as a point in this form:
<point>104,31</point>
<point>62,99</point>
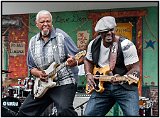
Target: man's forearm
<point>88,66</point>
<point>34,72</point>
<point>134,69</point>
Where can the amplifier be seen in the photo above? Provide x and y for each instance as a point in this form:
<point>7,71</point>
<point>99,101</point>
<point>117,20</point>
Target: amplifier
<point>80,102</point>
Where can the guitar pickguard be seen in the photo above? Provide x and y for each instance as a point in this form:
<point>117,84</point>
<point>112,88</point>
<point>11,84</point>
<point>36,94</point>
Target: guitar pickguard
<point>99,84</point>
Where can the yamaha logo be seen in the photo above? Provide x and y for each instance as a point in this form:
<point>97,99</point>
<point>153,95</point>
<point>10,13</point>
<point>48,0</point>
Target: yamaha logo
<point>10,103</point>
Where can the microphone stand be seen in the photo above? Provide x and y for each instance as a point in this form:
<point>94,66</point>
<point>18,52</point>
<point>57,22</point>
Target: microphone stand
<point>19,82</point>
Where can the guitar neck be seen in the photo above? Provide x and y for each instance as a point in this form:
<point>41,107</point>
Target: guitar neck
<point>52,73</point>
<point>107,78</point>
<point>54,69</point>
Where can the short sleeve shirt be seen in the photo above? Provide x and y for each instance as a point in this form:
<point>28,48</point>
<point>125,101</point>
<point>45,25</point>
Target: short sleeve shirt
<point>128,49</point>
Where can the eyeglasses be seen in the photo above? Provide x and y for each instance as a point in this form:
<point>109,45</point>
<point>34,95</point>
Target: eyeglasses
<point>108,30</point>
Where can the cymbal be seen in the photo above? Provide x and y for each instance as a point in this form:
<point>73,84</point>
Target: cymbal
<point>9,81</point>
<point>6,71</point>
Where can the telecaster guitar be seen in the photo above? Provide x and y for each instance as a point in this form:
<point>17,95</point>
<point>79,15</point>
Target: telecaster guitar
<point>104,77</point>
<point>40,87</point>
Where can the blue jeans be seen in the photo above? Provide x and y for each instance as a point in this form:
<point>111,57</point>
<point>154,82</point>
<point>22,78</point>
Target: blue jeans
<point>100,104</point>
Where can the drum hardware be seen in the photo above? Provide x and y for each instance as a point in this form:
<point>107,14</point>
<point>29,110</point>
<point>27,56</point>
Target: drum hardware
<point>8,112</point>
<point>19,91</point>
<point>145,105</point>
<point>17,88</point>
<point>19,83</point>
<point>11,91</point>
<point>54,111</point>
<point>10,106</point>
<point>51,110</point>
<point>9,81</point>
<point>142,111</point>
<point>6,71</point>
<point>28,84</point>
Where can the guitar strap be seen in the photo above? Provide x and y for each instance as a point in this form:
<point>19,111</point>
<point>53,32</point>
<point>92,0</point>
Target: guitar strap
<point>113,53</point>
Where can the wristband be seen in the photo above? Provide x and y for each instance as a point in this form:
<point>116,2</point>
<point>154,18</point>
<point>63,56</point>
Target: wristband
<point>88,74</point>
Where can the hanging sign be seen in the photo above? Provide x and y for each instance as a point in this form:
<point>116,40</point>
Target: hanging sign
<point>124,30</point>
<point>17,49</point>
<point>82,39</point>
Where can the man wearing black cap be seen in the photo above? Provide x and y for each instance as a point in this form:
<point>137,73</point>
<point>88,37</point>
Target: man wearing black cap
<point>117,82</point>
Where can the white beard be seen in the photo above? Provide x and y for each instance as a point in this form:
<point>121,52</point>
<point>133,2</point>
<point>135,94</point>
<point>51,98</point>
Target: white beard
<point>45,33</point>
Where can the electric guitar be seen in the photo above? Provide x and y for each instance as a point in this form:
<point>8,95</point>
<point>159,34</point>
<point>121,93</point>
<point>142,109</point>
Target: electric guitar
<point>102,75</point>
<point>40,86</point>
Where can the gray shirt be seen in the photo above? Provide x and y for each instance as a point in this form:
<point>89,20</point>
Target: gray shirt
<point>41,54</point>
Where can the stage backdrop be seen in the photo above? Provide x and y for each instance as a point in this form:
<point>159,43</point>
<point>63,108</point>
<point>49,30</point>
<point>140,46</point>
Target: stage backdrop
<point>80,26</point>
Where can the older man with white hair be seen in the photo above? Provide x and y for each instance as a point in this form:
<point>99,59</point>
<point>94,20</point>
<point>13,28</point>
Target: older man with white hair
<point>112,72</point>
<point>58,85</point>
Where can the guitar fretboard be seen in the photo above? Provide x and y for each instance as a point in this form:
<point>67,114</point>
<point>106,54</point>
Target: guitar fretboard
<point>56,69</point>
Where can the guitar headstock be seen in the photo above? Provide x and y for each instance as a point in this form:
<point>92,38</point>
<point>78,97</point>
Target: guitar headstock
<point>80,54</point>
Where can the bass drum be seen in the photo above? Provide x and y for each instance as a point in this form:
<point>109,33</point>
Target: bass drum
<point>10,106</point>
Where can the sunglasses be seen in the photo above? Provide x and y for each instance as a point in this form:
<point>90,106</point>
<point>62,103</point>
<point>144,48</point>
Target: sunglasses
<point>109,30</point>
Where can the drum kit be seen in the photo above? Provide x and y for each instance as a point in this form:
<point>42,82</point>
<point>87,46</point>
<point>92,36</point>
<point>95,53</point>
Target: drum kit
<point>13,97</point>
<point>14,91</point>
<point>145,106</point>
